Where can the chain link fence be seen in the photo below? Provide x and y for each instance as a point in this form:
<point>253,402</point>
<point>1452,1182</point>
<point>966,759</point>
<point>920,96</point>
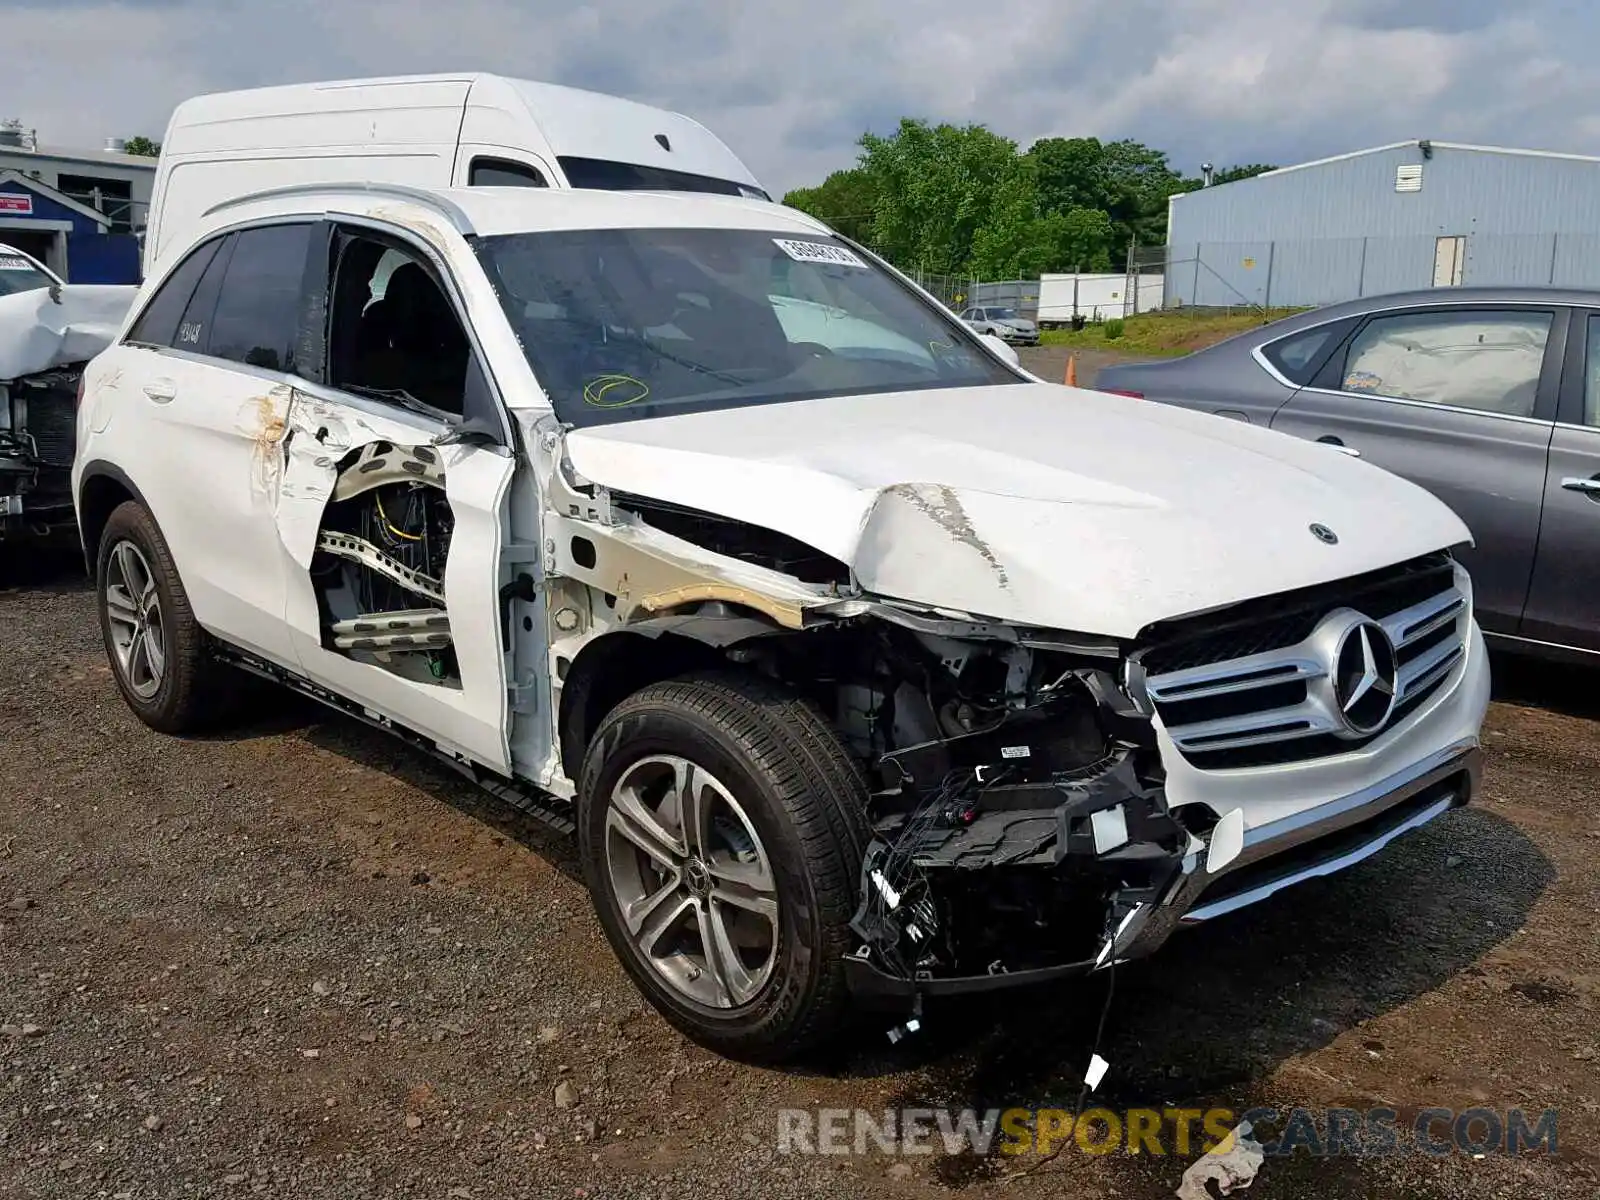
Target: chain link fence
<point>1315,271</point>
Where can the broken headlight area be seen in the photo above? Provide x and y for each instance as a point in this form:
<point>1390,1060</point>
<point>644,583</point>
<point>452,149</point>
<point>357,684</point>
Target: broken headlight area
<point>1011,842</point>
<point>379,567</point>
<point>38,414</point>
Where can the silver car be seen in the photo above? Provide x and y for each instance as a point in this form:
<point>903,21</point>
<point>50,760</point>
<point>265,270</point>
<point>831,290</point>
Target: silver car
<point>1004,323</point>
<point>1488,397</point>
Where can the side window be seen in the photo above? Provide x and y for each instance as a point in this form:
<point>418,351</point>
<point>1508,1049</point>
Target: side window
<point>257,315</point>
<point>1298,356</point>
<point>194,328</point>
<point>500,172</point>
<point>392,332</point>
<point>158,323</point>
<point>1485,360</point>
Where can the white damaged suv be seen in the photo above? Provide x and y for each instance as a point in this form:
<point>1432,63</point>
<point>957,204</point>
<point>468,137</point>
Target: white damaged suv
<point>865,667</point>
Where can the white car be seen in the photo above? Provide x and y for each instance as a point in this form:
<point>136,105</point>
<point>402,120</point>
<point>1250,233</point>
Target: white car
<point>864,666</point>
<point>48,330</point>
<point>1003,323</point>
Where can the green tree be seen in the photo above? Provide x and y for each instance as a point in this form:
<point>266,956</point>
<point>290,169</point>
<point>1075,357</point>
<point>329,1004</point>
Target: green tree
<point>1071,173</point>
<point>1019,239</point>
<point>142,145</point>
<point>1127,180</point>
<point>1233,174</point>
<point>1139,182</point>
<point>934,187</point>
<point>845,200</point>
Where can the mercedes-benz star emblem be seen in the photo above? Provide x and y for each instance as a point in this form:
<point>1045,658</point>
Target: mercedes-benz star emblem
<point>1365,677</point>
<point>1323,534</point>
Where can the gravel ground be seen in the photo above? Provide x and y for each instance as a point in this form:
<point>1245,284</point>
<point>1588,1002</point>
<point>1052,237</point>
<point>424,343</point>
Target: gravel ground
<point>298,960</point>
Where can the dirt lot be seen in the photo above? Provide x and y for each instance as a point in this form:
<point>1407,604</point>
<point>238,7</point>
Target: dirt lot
<point>300,961</point>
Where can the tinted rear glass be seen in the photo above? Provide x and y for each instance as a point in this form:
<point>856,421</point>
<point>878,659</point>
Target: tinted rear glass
<point>606,176</point>
<point>158,324</point>
<point>258,312</point>
<point>1298,356</point>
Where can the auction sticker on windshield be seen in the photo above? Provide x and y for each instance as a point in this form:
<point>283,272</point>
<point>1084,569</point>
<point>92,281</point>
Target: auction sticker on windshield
<point>819,252</point>
<point>8,263</point>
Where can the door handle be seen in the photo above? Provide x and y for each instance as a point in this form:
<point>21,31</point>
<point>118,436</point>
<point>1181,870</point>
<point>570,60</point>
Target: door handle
<point>161,390</point>
<point>1574,483</point>
<point>1328,439</point>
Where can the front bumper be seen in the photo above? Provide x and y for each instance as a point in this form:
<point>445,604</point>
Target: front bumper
<point>1320,841</point>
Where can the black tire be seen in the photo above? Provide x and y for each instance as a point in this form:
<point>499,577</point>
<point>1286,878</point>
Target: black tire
<point>196,691</point>
<point>806,798</point>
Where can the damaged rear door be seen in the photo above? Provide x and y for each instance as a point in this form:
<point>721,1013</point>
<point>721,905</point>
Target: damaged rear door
<point>214,351</point>
<point>397,465</point>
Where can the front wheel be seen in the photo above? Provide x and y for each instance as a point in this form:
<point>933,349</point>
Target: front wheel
<point>722,831</point>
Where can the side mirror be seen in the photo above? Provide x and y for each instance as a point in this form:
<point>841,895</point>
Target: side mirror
<point>1000,349</point>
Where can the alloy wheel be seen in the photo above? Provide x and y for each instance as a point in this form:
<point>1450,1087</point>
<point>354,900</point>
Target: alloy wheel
<point>133,612</point>
<point>692,881</point>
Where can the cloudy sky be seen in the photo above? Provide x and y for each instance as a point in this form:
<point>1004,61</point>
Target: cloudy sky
<point>790,85</point>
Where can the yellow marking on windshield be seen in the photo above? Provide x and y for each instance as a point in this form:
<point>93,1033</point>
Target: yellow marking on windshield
<point>600,392</point>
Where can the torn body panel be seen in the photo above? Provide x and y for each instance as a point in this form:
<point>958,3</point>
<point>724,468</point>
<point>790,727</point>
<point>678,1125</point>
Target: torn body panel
<point>392,554</point>
<point>969,499</point>
<point>1023,813</point>
<point>996,751</point>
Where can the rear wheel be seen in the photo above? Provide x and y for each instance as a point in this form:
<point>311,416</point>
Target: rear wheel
<point>159,654</point>
<point>722,830</point>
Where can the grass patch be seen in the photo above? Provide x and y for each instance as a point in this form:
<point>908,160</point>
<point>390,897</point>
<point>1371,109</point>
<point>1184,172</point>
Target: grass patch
<point>1166,334</point>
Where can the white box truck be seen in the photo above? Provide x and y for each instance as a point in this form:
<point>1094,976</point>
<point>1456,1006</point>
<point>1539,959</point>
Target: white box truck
<point>1096,297</point>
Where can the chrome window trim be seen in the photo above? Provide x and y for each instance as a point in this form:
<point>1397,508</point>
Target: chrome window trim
<point>1259,354</point>
<point>1553,306</point>
<point>1432,407</point>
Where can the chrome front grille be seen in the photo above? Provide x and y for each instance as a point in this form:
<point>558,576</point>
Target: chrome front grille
<point>1352,672</point>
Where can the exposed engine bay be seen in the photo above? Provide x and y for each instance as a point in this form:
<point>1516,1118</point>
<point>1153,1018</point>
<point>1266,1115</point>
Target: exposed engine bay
<point>1017,811</point>
<point>37,417</point>
<point>49,331</point>
<point>379,568</point>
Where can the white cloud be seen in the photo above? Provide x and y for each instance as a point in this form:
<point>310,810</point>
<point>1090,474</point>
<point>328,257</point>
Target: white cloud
<point>791,86</point>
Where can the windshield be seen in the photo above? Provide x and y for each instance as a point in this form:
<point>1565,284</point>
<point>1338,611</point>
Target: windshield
<point>620,324</point>
<point>605,175</point>
<point>1002,314</point>
<point>18,274</point>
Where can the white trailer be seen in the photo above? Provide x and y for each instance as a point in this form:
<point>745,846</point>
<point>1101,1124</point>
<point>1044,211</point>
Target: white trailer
<point>1096,297</point>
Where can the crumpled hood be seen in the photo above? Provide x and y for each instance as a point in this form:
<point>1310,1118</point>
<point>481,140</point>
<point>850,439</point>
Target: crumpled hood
<point>37,333</point>
<point>1035,504</point>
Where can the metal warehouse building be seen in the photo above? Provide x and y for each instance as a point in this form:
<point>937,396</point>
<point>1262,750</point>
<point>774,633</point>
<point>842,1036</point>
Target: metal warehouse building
<point>1410,215</point>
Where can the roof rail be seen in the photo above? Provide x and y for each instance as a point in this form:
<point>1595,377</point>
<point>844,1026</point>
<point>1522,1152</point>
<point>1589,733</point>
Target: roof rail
<point>452,211</point>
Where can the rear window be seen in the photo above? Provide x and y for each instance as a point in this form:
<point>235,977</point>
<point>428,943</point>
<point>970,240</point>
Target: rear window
<point>1298,356</point>
<point>604,175</point>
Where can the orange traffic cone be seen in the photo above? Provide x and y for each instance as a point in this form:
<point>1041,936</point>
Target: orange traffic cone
<point>1072,370</point>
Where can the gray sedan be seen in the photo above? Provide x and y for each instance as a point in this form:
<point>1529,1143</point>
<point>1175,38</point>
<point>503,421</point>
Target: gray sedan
<point>1488,397</point>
